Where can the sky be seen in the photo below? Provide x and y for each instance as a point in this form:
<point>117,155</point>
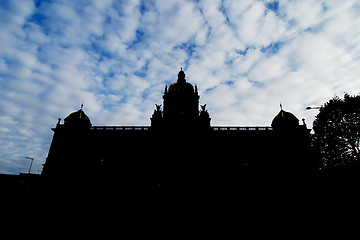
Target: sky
<point>245,56</point>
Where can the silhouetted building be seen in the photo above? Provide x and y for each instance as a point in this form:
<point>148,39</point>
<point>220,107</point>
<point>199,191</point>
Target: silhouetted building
<point>180,149</point>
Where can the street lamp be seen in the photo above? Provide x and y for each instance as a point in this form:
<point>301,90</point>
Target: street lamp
<point>308,108</point>
<point>32,159</point>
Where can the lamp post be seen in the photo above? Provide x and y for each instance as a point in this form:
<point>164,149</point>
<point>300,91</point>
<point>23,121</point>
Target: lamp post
<point>32,159</point>
<point>308,108</point>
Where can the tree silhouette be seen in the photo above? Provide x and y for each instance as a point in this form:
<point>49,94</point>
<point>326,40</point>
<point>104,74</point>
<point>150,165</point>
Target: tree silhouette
<point>337,131</point>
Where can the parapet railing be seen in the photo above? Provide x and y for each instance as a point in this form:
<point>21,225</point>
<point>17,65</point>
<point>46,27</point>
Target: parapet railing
<point>242,128</point>
<point>147,128</point>
<point>120,128</point>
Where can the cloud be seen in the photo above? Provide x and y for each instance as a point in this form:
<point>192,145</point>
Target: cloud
<point>245,57</point>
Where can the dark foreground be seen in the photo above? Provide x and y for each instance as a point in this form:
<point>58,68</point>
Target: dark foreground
<point>329,191</point>
<point>252,203</point>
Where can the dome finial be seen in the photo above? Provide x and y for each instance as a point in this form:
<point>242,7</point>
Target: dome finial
<point>282,111</point>
<point>81,107</point>
<point>181,76</point>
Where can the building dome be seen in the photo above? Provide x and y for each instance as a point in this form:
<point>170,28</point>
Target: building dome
<point>77,119</point>
<point>181,85</point>
<point>285,120</point>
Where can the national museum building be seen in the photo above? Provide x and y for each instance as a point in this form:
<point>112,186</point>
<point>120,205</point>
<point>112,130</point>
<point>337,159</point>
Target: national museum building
<point>179,147</point>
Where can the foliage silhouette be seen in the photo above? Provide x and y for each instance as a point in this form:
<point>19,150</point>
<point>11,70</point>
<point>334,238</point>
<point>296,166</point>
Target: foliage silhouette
<point>337,132</point>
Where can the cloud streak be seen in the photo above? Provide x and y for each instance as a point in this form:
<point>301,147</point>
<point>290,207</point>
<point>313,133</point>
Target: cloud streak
<point>246,57</point>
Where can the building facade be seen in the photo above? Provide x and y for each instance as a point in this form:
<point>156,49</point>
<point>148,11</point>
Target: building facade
<point>180,148</point>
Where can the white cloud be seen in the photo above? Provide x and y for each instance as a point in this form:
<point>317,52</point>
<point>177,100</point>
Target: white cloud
<point>304,13</point>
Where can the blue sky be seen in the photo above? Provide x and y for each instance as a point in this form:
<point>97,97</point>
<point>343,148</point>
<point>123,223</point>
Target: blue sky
<point>116,56</point>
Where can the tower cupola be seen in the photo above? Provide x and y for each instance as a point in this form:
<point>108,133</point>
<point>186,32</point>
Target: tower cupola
<point>181,105</point>
<point>78,120</point>
<point>285,121</point>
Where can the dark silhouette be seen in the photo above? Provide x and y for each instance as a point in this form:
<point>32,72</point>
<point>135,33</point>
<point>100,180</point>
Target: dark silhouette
<point>337,131</point>
<point>158,107</point>
<point>214,166</point>
<point>336,142</point>
<point>180,164</point>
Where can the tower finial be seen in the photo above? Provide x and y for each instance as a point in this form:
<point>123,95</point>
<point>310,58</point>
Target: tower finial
<point>281,106</point>
<point>181,76</point>
<point>81,107</point>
